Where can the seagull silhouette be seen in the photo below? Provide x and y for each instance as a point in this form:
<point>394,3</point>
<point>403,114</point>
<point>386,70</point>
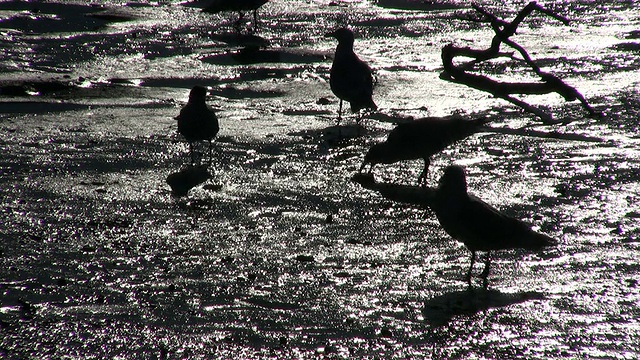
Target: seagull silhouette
<point>350,77</point>
<point>197,122</point>
<point>420,139</point>
<point>236,5</point>
<point>478,225</point>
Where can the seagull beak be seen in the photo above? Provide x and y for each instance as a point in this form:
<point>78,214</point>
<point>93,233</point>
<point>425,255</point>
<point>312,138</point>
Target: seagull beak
<point>330,34</point>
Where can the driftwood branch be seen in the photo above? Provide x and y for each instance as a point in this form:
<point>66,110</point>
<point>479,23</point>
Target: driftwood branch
<point>549,83</point>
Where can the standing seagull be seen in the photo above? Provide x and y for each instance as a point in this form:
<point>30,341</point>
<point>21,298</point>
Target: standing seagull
<point>236,5</point>
<point>479,226</point>
<point>350,77</point>
<point>197,121</point>
<point>420,139</point>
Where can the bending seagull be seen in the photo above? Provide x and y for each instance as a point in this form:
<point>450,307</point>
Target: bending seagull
<point>197,122</point>
<point>350,77</point>
<point>479,226</point>
<point>236,5</point>
<point>420,139</point>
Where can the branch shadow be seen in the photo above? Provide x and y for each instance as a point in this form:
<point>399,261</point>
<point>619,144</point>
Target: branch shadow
<point>255,55</point>
<point>417,5</point>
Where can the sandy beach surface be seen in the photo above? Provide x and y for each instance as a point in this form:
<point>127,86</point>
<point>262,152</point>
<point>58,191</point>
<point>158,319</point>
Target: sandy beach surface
<point>276,252</point>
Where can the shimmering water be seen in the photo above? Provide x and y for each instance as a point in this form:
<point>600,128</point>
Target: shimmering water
<point>290,258</point>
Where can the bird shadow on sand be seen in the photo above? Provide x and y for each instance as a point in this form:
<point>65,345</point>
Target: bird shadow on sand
<point>43,17</point>
<point>233,92</point>
<point>238,39</point>
<point>440,310</point>
<point>334,135</point>
<point>186,179</point>
<point>417,5</point>
<point>338,133</point>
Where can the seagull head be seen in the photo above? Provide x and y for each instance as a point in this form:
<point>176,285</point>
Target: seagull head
<point>343,35</point>
<point>376,155</point>
<point>453,181</point>
<point>198,94</point>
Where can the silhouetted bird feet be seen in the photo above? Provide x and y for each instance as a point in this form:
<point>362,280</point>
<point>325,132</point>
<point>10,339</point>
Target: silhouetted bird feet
<point>485,277</point>
<point>485,272</point>
<point>467,279</point>
<point>193,158</point>
<point>238,24</point>
<point>339,114</point>
<point>364,114</point>
<point>362,166</point>
<point>485,283</point>
<point>422,181</point>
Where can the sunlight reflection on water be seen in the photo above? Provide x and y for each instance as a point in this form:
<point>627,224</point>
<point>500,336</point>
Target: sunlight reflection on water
<point>280,254</point>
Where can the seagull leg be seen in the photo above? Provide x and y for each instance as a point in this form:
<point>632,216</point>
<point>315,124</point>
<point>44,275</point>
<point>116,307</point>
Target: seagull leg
<point>236,26</point>
<point>210,153</point>
<point>364,164</point>
<point>359,127</point>
<point>364,114</point>
<point>191,153</point>
<point>485,272</point>
<point>473,260</point>
<point>340,112</point>
<point>255,19</point>
<point>422,179</point>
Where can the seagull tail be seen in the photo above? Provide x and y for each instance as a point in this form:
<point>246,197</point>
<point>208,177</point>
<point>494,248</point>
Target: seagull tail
<point>373,105</point>
<point>537,241</point>
<point>461,128</point>
<point>363,104</point>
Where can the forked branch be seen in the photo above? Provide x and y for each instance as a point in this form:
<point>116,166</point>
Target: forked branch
<point>504,30</point>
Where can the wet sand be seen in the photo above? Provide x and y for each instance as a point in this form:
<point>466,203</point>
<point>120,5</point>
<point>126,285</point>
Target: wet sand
<point>278,253</point>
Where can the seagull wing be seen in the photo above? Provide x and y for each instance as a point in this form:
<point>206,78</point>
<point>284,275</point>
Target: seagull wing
<point>483,227</point>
